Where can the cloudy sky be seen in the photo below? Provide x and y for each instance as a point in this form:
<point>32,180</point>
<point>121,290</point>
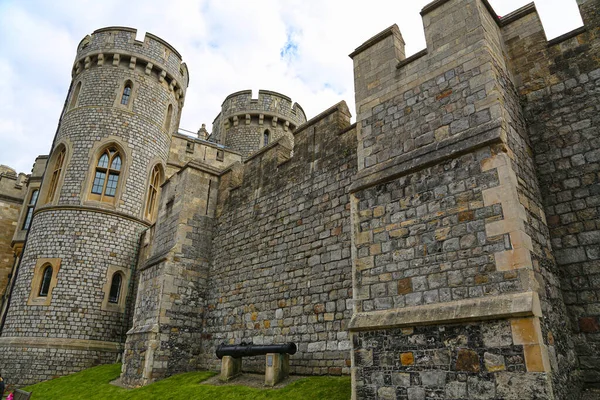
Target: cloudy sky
<point>297,47</point>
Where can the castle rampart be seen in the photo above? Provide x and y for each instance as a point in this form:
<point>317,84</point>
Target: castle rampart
<point>446,245</point>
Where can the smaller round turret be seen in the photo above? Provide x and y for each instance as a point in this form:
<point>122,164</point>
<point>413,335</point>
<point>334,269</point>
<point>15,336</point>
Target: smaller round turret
<point>247,125</point>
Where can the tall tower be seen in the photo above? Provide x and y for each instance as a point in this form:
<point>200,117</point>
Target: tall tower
<point>68,310</point>
<point>247,125</point>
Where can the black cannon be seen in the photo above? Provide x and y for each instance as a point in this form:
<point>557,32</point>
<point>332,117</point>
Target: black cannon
<point>248,349</point>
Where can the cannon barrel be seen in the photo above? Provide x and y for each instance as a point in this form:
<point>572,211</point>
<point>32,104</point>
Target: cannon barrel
<point>247,350</point>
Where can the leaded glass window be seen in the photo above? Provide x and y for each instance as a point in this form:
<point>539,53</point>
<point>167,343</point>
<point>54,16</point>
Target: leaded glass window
<point>126,93</point>
<point>109,165</point>
<point>30,207</point>
<point>56,171</point>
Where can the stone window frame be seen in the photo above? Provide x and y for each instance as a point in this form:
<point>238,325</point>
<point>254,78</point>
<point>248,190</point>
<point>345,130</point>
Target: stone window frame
<point>268,136</point>
<point>50,166</point>
<point>132,96</point>
<point>36,281</point>
<point>29,208</point>
<point>125,275</point>
<point>91,199</point>
<point>189,146</point>
<point>74,101</point>
<point>168,119</point>
<point>151,217</point>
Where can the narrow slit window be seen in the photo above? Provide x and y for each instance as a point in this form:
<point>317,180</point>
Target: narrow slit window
<point>56,172</point>
<point>168,118</point>
<point>46,278</point>
<point>126,93</point>
<point>266,137</point>
<point>75,96</point>
<point>115,288</point>
<point>155,181</point>
<point>30,207</point>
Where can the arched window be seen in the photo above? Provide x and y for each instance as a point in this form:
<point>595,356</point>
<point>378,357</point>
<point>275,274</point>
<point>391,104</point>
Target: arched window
<point>126,93</point>
<point>115,288</point>
<point>266,137</point>
<point>75,96</point>
<point>56,171</point>
<point>46,278</point>
<point>108,170</point>
<point>155,181</point>
<point>168,119</point>
<point>30,207</point>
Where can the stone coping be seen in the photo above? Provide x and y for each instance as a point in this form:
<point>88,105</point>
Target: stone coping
<point>567,36</point>
<point>61,343</point>
<point>482,308</point>
<point>391,30</point>
<point>518,14</point>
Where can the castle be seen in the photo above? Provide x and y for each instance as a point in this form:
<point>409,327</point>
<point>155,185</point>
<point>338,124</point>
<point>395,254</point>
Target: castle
<point>446,245</point>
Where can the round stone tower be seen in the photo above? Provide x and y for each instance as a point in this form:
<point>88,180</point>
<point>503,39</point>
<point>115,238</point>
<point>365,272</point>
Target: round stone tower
<point>247,125</point>
<point>71,303</point>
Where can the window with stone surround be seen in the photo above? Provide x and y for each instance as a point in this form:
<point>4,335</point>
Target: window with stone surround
<point>44,281</point>
<point>75,96</point>
<point>126,93</point>
<point>167,126</point>
<point>156,178</point>
<point>266,137</point>
<point>115,289</point>
<point>30,207</point>
<point>106,175</point>
<point>56,170</point>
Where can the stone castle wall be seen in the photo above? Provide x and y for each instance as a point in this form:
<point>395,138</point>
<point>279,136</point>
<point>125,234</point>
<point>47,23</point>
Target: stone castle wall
<point>558,84</point>
<point>281,250</point>
<point>448,221</point>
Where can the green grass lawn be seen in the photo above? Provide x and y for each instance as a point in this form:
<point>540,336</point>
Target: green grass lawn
<point>93,384</point>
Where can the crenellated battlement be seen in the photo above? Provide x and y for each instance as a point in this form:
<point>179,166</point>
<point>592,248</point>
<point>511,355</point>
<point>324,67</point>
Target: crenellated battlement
<point>118,46</point>
<point>269,104</point>
<point>243,120</point>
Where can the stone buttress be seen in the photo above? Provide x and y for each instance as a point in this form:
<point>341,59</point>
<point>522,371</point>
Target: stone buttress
<point>456,291</point>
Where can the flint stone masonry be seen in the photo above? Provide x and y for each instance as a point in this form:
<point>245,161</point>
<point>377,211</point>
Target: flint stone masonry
<point>446,246</point>
<point>90,238</point>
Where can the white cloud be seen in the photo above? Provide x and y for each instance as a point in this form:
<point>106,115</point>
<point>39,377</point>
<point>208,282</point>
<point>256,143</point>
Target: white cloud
<point>228,45</point>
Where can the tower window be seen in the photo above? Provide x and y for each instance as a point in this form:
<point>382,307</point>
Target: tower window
<point>75,96</point>
<point>43,282</point>
<point>266,137</point>
<point>126,93</point>
<point>155,181</point>
<point>168,118</point>
<point>107,173</point>
<point>46,279</point>
<point>56,172</point>
<point>30,207</point>
<point>115,288</point>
